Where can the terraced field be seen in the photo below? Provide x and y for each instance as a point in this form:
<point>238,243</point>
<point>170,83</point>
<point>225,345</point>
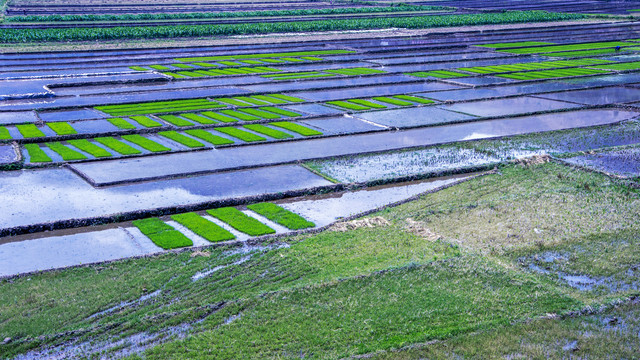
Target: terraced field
<point>371,195</point>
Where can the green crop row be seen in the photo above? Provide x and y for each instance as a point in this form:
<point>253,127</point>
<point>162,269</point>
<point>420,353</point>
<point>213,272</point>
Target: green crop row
<point>118,146</point>
<point>182,139</point>
<point>362,104</point>
<point>550,74</point>
<point>534,66</point>
<point>66,153</point>
<point>36,154</point>
<point>121,123</point>
<point>281,216</point>
<point>440,74</point>
<point>203,227</point>
<point>158,107</point>
<point>241,221</point>
<point>4,133</point>
<point>620,67</point>
<point>356,71</point>
<point>240,134</point>
<point>209,137</point>
<point>150,32</point>
<point>62,128</point>
<point>176,121</point>
<point>162,234</point>
<point>91,148</point>
<point>145,143</point>
<point>568,47</point>
<point>276,134</point>
<point>29,131</point>
<point>515,44</point>
<point>297,128</point>
<point>266,55</point>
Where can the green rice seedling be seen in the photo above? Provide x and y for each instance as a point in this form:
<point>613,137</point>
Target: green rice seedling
<point>443,74</point>
<point>568,47</point>
<point>291,74</point>
<point>279,111</point>
<point>36,155</point>
<point>251,62</point>
<point>138,68</point>
<point>515,44</point>
<point>265,55</point>
<point>311,58</point>
<point>209,137</point>
<point>272,100</point>
<point>240,134</point>
<point>232,101</point>
<point>159,67</point>
<point>219,117</point>
<point>348,105</point>
<point>4,133</point>
<point>62,128</point>
<point>356,71</point>
<point>260,113</point>
<point>29,131</point>
<point>392,101</point>
<point>297,77</point>
<point>285,97</point>
<point>241,221</point>
<point>203,227</point>
<point>414,99</point>
<point>367,103</point>
<point>267,69</point>
<point>182,66</point>
<point>191,74</point>
<point>229,63</point>
<point>272,61</point>
<point>281,216</point>
<point>251,100</point>
<point>291,59</point>
<point>89,147</point>
<point>181,139</point>
<point>118,146</point>
<point>297,128</point>
<point>145,143</point>
<point>276,134</point>
<point>204,64</point>
<point>252,70</point>
<point>174,120</point>
<point>199,119</point>
<point>175,76</point>
<point>162,234</point>
<point>66,153</point>
<point>206,72</point>
<point>620,67</point>
<point>145,121</point>
<point>239,115</point>
<point>239,70</point>
<point>121,123</point>
<point>216,72</point>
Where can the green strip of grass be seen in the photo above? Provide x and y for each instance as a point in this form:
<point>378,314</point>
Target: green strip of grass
<point>62,128</point>
<point>203,227</point>
<point>356,71</point>
<point>36,154</point>
<point>198,118</point>
<point>260,113</point>
<point>251,100</point>
<point>234,102</point>
<point>311,58</point>
<point>4,133</point>
<point>620,67</point>
<point>294,77</point>
<point>240,134</point>
<point>241,221</point>
<point>174,120</point>
<point>440,74</point>
<point>569,47</point>
<point>138,68</point>
<point>297,128</point>
<point>66,153</point>
<point>240,115</point>
<point>146,121</point>
<point>182,66</point>
<point>191,74</point>
<point>175,75</point>
<point>204,64</point>
<point>414,99</point>
<point>145,143</point>
<point>159,67</point>
<point>89,147</point>
<point>272,61</point>
<point>276,134</point>
<point>281,216</point>
<point>392,101</point>
<point>367,103</point>
<point>270,99</point>
<point>348,105</point>
<point>179,138</point>
<point>219,117</point>
<point>209,137</point>
<point>285,97</point>
<point>279,111</point>
<point>121,123</point>
<point>162,234</point>
<point>29,131</point>
<point>118,146</point>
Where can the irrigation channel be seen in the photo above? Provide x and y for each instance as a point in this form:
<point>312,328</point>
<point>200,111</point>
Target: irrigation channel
<point>120,153</point>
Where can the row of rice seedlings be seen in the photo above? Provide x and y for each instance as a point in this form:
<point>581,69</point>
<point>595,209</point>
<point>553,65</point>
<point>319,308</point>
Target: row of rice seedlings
<point>440,74</point>
<point>281,216</point>
<point>356,71</point>
<point>158,107</point>
<point>515,44</point>
<point>590,52</point>
<point>241,221</point>
<point>298,75</point>
<point>302,54</point>
<point>218,64</point>
<point>221,72</point>
<point>162,234</point>
<point>620,67</point>
<point>568,47</point>
<point>363,104</point>
<point>30,131</point>
<point>534,66</point>
<point>550,74</point>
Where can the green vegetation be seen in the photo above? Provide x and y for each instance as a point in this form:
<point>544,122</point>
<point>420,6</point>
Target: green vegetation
<point>270,99</point>
<point>118,146</point>
<point>392,101</point>
<point>203,227</point>
<point>199,118</point>
<point>66,153</point>
<point>232,101</point>
<point>282,97</point>
<point>240,134</point>
<point>62,128</point>
<point>348,105</point>
<point>297,128</point>
<point>145,143</point>
<point>4,133</point>
<point>534,66</point>
<point>367,103</point>
<point>620,67</point>
<point>209,137</point>
<point>219,117</point>
<point>30,131</point>
<point>159,67</point>
<point>158,107</point>
<point>138,68</point>
<point>414,99</point>
<point>281,216</point>
<point>121,123</point>
<point>356,71</point>
<point>174,120</point>
<point>265,55</point>
<point>204,64</point>
<point>151,32</point>
<point>182,66</point>
<point>146,121</point>
<point>89,147</point>
<point>261,113</point>
<point>240,115</point>
<point>162,234</point>
<point>569,47</point>
<point>179,138</point>
<point>241,221</point>
<point>251,100</point>
<point>550,74</point>
<point>279,111</point>
<point>515,44</point>
<point>440,74</point>
<point>276,134</point>
<point>36,154</point>
<point>297,75</point>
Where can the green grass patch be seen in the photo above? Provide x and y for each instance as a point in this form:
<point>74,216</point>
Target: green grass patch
<point>174,120</point>
<point>272,61</point>
<point>289,59</point>
<point>279,111</point>
<point>270,99</point>
<point>145,143</point>
<point>219,117</point>
<point>620,67</point>
<point>240,134</point>
<point>146,121</point>
<point>414,99</point>
<point>179,138</point>
<point>297,128</point>
<point>159,67</point>
<point>205,64</point>
<point>66,153</point>
<point>36,154</point>
<point>281,216</point>
<point>367,103</point>
<point>229,63</point>
<point>89,147</point>
<point>199,118</point>
<point>29,131</point>
<point>182,66</point>
<point>240,115</point>
<point>252,62</point>
<point>162,234</point>
<point>569,47</point>
<point>118,146</point>
<point>4,133</point>
<point>348,105</point>
<point>276,134</point>
<point>311,58</point>
<point>138,68</point>
<point>392,101</point>
<point>203,227</point>
<point>209,137</point>
<point>288,98</point>
<point>261,113</point>
<point>251,100</point>
<point>241,221</point>
<point>158,107</point>
<point>234,102</point>
<point>121,123</point>
<point>62,128</point>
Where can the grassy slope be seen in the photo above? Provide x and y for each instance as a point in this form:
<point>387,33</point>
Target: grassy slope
<point>398,288</point>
